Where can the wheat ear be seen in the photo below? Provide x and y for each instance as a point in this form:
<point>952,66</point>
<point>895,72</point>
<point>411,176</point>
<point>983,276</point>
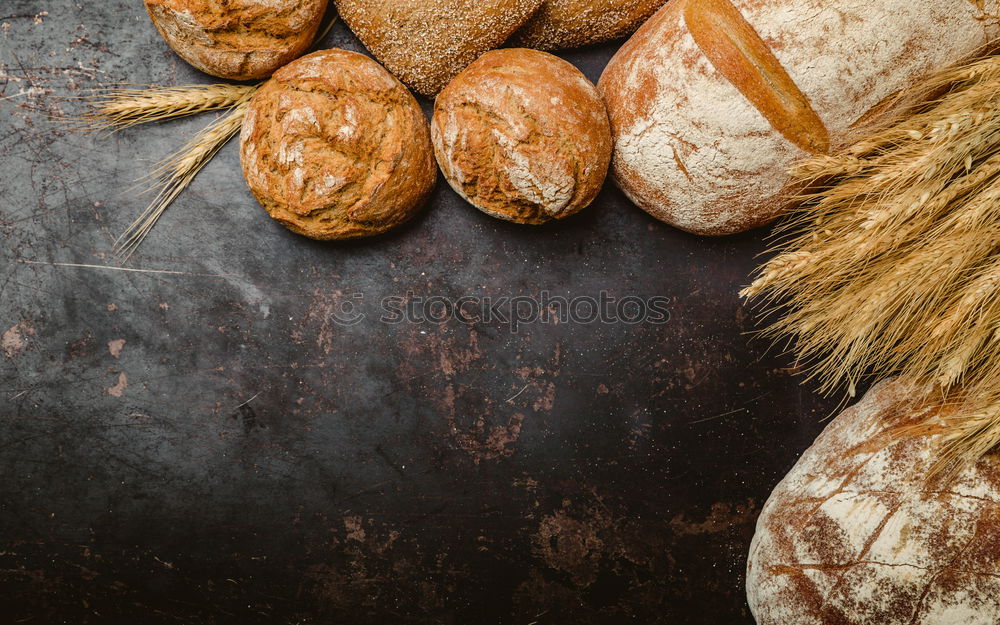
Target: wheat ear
<point>123,107</point>
<point>890,264</point>
<point>176,172</point>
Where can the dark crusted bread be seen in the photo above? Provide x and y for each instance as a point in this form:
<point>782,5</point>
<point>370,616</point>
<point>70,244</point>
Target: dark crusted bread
<point>855,535</point>
<point>523,136</point>
<point>574,23</point>
<point>334,147</point>
<point>427,42</point>
<point>237,39</point>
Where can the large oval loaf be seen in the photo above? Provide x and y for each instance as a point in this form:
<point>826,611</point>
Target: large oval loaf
<point>712,101</point>
<point>856,535</point>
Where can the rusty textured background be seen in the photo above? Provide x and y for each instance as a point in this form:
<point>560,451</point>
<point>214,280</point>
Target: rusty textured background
<point>195,441</point>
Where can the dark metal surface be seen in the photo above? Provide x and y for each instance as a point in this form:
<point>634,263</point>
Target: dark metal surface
<point>196,440</point>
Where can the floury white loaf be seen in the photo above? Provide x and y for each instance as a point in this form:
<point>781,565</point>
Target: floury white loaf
<point>856,535</point>
<point>712,101</point>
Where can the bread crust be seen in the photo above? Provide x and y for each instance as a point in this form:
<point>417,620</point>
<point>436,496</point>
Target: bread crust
<point>239,39</point>
<point>854,534</point>
<point>560,24</point>
<point>696,151</point>
<point>426,43</point>
<point>523,136</point>
<point>334,147</point>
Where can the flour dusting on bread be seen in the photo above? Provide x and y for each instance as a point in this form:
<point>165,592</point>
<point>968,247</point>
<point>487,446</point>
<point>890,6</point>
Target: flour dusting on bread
<point>695,152</point>
<point>855,534</point>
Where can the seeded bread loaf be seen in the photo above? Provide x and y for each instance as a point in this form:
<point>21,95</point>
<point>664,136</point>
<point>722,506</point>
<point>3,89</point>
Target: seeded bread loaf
<point>574,23</point>
<point>426,43</point>
<point>523,136</point>
<point>855,535</point>
<point>712,101</point>
<point>334,147</point>
<point>237,39</point>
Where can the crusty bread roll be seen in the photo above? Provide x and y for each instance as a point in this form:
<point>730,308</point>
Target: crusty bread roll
<point>334,147</point>
<point>855,535</point>
<point>523,136</point>
<point>711,101</point>
<point>237,39</point>
<point>426,43</point>
<point>574,23</point>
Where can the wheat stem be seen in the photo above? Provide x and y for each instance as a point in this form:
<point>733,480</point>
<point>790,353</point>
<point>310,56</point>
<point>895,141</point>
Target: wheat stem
<point>123,107</point>
<point>176,172</point>
<point>891,263</point>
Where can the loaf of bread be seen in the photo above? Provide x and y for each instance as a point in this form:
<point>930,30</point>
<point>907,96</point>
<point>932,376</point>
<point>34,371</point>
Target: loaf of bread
<point>426,43</point>
<point>574,23</point>
<point>334,147</point>
<point>855,534</point>
<point>712,101</point>
<point>523,136</point>
<point>237,39</point>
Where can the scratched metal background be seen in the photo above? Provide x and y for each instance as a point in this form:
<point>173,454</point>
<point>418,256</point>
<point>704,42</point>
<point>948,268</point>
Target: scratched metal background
<point>195,441</point>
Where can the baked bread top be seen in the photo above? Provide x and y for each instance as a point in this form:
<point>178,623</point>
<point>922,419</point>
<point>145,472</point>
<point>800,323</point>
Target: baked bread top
<point>574,23</point>
<point>426,43</point>
<point>523,136</point>
<point>238,39</point>
<point>334,147</point>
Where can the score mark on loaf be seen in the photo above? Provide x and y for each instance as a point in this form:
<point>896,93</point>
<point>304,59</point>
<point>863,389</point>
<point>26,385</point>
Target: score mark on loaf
<point>712,101</point>
<point>855,534</point>
<point>736,50</point>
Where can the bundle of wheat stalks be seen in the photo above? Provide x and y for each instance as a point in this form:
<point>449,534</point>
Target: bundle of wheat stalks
<point>123,107</point>
<point>891,264</point>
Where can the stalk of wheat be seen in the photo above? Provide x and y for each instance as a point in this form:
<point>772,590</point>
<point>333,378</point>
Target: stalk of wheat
<point>176,172</point>
<point>890,265</point>
<point>123,107</point>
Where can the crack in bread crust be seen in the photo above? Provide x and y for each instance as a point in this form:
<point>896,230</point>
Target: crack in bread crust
<point>334,147</point>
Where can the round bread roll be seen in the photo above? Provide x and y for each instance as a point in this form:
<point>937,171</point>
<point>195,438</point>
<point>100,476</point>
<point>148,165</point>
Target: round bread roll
<point>237,39</point>
<point>574,23</point>
<point>713,101</point>
<point>523,136</point>
<point>334,147</point>
<point>855,535</point>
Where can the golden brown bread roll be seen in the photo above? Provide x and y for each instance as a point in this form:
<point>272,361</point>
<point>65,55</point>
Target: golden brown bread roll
<point>712,101</point>
<point>334,147</point>
<point>237,39</point>
<point>856,535</point>
<point>427,42</point>
<point>574,23</point>
<point>523,136</point>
